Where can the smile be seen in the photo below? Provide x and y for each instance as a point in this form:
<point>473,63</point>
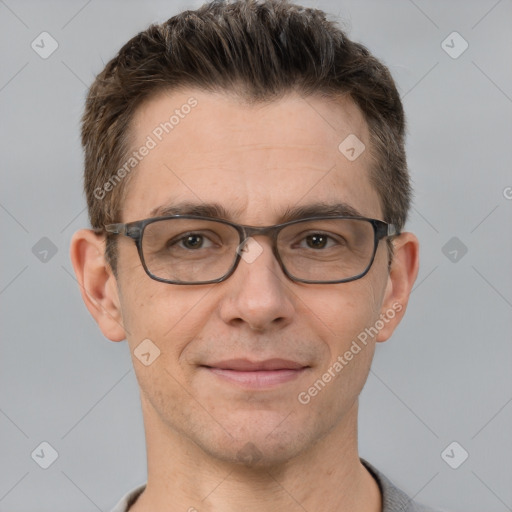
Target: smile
<point>257,375</point>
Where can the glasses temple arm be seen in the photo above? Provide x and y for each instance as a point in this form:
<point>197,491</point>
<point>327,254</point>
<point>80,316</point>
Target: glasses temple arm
<point>392,230</point>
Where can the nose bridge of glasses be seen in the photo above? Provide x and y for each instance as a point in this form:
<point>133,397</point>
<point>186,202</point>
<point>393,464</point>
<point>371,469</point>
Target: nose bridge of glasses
<point>251,231</point>
<point>269,232</point>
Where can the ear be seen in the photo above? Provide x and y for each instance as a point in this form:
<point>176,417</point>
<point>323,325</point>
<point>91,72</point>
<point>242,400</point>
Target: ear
<point>97,282</point>
<point>402,275</point>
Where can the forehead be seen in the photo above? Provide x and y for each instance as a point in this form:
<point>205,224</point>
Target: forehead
<point>255,160</point>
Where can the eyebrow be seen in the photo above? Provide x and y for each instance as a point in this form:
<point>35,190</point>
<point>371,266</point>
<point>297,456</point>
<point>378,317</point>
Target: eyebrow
<point>217,211</point>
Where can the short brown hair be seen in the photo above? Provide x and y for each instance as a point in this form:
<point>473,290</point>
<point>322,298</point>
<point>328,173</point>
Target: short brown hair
<point>259,50</point>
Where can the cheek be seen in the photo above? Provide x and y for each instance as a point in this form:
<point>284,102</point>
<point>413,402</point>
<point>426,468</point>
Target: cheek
<point>346,315</point>
<point>170,316</point>
<point>342,311</point>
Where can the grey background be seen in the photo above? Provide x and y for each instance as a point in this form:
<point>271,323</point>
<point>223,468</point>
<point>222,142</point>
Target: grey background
<point>445,375</point>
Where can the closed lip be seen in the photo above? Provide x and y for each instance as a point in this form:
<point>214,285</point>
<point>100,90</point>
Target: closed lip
<point>245,365</point>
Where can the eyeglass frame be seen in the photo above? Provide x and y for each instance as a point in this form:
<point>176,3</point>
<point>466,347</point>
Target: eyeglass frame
<point>135,231</point>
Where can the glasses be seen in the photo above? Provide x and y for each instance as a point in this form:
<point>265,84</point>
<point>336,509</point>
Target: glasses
<point>187,249</point>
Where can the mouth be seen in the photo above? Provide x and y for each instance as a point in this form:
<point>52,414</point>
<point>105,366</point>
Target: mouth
<point>256,374</point>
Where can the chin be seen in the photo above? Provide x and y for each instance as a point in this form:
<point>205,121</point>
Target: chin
<point>255,455</point>
<point>254,447</point>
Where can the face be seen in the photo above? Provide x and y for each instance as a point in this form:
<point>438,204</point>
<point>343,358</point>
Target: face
<point>255,162</point>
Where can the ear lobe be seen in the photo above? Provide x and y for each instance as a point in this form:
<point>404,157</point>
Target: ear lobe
<point>97,283</point>
<point>402,275</point>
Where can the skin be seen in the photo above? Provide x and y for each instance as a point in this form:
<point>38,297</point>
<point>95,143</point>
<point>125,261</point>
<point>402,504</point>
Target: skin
<point>256,161</point>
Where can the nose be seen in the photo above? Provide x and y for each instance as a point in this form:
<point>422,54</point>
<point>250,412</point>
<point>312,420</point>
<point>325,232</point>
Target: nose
<point>258,294</point>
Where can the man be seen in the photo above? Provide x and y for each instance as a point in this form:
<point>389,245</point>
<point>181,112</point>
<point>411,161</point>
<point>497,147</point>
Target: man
<point>247,186</point>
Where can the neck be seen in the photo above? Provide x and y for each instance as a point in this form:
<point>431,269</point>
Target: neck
<point>329,476</point>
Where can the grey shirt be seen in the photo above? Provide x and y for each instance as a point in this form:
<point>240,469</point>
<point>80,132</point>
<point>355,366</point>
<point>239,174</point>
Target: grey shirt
<point>393,499</point>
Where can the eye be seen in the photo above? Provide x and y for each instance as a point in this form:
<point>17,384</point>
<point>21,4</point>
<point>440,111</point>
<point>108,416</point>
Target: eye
<point>191,241</point>
<point>318,241</point>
